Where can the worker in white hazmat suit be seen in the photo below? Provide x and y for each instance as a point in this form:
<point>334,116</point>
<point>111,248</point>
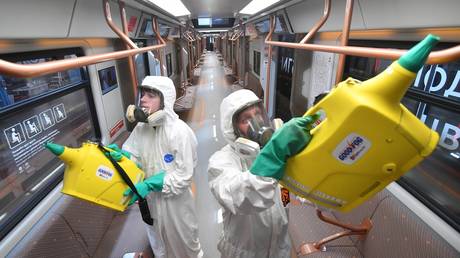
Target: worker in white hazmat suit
<point>255,222</point>
<point>165,147</point>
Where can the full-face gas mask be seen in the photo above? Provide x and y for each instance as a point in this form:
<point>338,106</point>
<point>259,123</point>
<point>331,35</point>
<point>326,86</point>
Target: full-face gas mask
<point>252,127</point>
<point>144,110</point>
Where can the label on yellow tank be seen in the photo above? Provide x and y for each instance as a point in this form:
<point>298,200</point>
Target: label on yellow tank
<point>104,173</point>
<point>351,149</point>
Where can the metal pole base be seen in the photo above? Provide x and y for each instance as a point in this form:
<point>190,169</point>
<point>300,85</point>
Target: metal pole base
<point>361,230</point>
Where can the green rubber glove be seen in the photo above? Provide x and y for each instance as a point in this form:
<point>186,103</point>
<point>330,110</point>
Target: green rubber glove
<point>116,149</point>
<point>286,142</point>
<point>151,184</point>
<point>117,154</point>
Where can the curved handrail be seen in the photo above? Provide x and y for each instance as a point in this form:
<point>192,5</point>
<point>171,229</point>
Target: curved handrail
<point>131,66</point>
<point>33,70</point>
<point>435,57</point>
<point>344,39</point>
<point>188,36</point>
<point>108,19</point>
<point>320,23</point>
<point>236,35</point>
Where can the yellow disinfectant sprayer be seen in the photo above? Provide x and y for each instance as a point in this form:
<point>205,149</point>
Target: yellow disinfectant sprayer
<point>90,175</point>
<point>366,139</point>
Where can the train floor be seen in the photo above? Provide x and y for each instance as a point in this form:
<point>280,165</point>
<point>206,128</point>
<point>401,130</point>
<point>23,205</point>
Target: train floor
<point>204,119</point>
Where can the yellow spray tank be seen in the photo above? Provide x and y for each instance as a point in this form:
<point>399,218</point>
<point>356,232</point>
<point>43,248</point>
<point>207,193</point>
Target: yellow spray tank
<point>90,175</point>
<point>366,139</point>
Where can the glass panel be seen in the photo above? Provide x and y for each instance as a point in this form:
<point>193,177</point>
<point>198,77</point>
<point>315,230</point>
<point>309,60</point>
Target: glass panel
<point>108,79</point>
<point>141,62</point>
<point>256,62</point>
<point>264,26</point>
<point>169,64</point>
<point>284,79</point>
<point>26,166</point>
<point>439,174</point>
<point>16,90</point>
<point>204,22</point>
<point>440,79</point>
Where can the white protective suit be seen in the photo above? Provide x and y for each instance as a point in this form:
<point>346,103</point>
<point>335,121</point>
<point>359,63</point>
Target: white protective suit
<point>173,209</point>
<point>255,223</point>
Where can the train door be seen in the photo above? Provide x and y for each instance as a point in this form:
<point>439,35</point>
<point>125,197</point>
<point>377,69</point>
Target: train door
<point>284,79</point>
<point>141,61</point>
<point>153,61</point>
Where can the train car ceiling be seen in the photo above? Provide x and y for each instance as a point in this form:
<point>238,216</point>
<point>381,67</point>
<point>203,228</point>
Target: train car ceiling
<point>385,14</point>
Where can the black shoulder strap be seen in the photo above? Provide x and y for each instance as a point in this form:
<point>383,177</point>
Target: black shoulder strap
<point>143,206</point>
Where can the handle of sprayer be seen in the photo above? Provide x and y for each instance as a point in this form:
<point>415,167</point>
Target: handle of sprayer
<point>143,206</point>
<point>312,111</point>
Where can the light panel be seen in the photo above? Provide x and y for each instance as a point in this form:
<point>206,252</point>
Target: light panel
<point>174,7</point>
<point>257,5</point>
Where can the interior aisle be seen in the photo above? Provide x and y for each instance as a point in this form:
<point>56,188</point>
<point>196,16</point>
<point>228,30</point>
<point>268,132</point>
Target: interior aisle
<point>204,119</point>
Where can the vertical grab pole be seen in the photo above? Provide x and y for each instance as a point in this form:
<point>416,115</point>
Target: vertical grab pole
<point>267,74</point>
<point>124,25</point>
<point>344,39</point>
<point>160,51</point>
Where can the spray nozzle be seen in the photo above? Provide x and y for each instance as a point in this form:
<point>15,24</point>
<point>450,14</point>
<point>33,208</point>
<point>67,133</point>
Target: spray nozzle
<point>415,58</point>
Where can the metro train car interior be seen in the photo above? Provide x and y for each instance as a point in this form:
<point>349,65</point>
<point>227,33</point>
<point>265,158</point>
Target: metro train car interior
<point>70,69</point>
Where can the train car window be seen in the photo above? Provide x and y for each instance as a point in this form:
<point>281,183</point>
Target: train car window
<point>108,79</point>
<point>141,61</point>
<point>145,29</point>
<point>164,30</point>
<point>264,26</point>
<point>284,79</point>
<point>56,107</point>
<point>13,90</point>
<point>204,22</point>
<point>434,98</point>
<point>256,62</point>
<point>169,69</point>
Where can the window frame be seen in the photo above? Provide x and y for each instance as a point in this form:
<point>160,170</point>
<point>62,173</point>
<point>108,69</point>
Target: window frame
<point>21,211</point>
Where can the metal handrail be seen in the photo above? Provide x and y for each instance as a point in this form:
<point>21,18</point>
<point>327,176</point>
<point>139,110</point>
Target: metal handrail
<point>320,23</point>
<point>435,57</point>
<point>108,19</point>
<point>33,70</point>
<point>344,39</point>
<point>160,53</point>
<point>124,24</point>
<point>267,84</point>
<point>189,37</point>
<point>236,35</point>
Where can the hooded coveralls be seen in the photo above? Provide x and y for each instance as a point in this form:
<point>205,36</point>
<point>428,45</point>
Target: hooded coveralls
<point>255,222</point>
<point>170,147</point>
